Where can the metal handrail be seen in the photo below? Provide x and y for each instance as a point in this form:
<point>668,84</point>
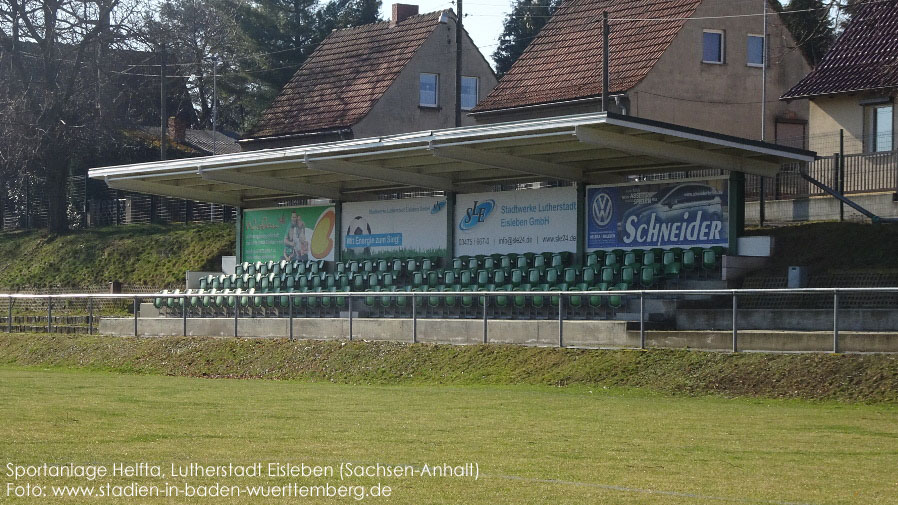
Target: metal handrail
<point>642,293</point>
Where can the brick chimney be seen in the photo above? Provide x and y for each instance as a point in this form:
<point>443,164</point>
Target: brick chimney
<point>401,12</point>
<point>177,129</point>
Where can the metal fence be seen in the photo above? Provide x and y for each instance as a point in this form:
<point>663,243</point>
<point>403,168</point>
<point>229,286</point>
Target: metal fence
<point>856,173</point>
<point>564,299</point>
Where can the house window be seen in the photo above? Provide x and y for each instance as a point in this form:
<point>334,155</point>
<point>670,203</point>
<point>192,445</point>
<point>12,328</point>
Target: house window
<point>712,46</point>
<point>755,51</point>
<point>881,128</point>
<point>430,87</point>
<point>469,88</point>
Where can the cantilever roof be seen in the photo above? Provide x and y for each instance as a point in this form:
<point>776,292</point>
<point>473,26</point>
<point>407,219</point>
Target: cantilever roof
<point>346,75</point>
<point>564,61</point>
<point>587,148</point>
<point>863,58</point>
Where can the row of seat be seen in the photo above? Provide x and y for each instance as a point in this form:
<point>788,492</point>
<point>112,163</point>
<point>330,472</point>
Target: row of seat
<point>602,271</point>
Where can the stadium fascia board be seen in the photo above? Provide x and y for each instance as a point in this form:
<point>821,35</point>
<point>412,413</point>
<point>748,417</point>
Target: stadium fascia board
<point>423,143</point>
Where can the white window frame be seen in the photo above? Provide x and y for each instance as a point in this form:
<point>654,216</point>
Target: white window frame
<point>723,46</point>
<point>476,90</point>
<point>436,94</point>
<point>872,133</point>
<point>763,50</point>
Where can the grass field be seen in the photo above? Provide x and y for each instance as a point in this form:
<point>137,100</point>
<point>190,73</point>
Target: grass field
<point>533,444</point>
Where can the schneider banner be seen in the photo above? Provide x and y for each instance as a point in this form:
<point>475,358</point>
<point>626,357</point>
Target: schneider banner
<point>537,220</point>
<point>395,228</point>
<point>665,214</point>
<point>291,233</point>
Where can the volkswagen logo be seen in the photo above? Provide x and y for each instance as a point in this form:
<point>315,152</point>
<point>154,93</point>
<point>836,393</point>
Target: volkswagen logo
<point>602,209</point>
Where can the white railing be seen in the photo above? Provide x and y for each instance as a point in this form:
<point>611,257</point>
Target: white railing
<point>237,300</point>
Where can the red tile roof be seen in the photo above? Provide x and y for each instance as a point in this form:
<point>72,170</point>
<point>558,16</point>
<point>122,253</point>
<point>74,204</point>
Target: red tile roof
<point>564,62</point>
<point>864,57</point>
<point>345,76</point>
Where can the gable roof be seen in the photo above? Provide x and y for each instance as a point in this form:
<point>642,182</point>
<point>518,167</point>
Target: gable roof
<point>864,57</point>
<point>564,61</point>
<point>344,77</point>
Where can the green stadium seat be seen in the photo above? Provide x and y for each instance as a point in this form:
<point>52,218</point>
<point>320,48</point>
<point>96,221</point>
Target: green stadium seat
<point>489,263</point>
<point>709,259</point>
<point>627,275</point>
<point>159,301</point>
<point>505,262</point>
<point>426,265</point>
<point>608,275</point>
<point>483,278</point>
<point>533,276</point>
<point>629,259</point>
<point>588,276</point>
<point>570,276</point>
<point>647,276</point>
<point>670,264</point>
<point>517,277</point>
<point>689,262</point>
<point>465,278</point>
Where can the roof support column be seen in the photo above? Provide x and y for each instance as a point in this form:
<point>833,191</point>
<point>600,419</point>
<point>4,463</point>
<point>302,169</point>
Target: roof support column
<point>338,230</point>
<point>450,225</point>
<point>736,202</point>
<point>238,224</point>
<point>581,224</point>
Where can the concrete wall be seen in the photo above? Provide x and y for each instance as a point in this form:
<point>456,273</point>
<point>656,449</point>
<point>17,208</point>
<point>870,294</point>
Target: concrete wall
<point>726,98</point>
<point>445,331</point>
<point>723,98</point>
<point>819,208</point>
<point>581,334</point>
<point>399,111</point>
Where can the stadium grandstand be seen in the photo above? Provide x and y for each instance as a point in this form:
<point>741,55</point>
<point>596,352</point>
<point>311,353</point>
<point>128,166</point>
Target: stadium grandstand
<point>594,202</point>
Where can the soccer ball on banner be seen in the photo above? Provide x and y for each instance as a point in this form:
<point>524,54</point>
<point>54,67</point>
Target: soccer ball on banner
<point>359,226</point>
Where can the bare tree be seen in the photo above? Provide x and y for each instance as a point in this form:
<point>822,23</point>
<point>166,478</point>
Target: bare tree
<point>55,57</point>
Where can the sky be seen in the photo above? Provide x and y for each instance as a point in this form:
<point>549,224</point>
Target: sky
<point>483,19</point>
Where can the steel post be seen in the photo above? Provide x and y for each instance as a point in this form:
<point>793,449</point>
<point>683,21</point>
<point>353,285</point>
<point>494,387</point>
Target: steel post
<point>136,314</point>
<point>485,338</point>
<point>642,320</point>
<point>236,315</point>
<point>9,315</point>
<point>414,319</point>
<point>735,327</point>
<point>835,321</point>
<point>560,320</point>
<point>290,313</point>
<point>90,316</point>
<point>349,307</point>
<point>184,315</point>
<point>49,315</point>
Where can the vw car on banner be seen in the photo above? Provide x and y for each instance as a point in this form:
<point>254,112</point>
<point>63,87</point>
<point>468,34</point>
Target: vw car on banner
<point>657,214</point>
<point>394,228</point>
<point>289,233</point>
<point>533,220</point>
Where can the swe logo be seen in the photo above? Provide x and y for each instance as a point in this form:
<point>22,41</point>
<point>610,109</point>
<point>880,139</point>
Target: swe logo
<point>437,207</point>
<point>476,214</point>
<point>602,209</point>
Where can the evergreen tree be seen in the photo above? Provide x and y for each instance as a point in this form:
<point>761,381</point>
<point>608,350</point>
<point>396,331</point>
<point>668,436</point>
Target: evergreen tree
<point>526,19</point>
<point>812,27</point>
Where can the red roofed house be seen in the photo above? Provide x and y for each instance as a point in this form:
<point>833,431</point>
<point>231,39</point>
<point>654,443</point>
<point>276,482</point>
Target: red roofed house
<point>854,87</point>
<point>695,63</point>
<point>378,79</point>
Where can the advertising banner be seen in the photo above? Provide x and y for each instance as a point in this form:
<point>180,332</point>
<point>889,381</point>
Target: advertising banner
<point>394,228</point>
<point>533,220</point>
<point>658,214</point>
<point>291,233</point>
